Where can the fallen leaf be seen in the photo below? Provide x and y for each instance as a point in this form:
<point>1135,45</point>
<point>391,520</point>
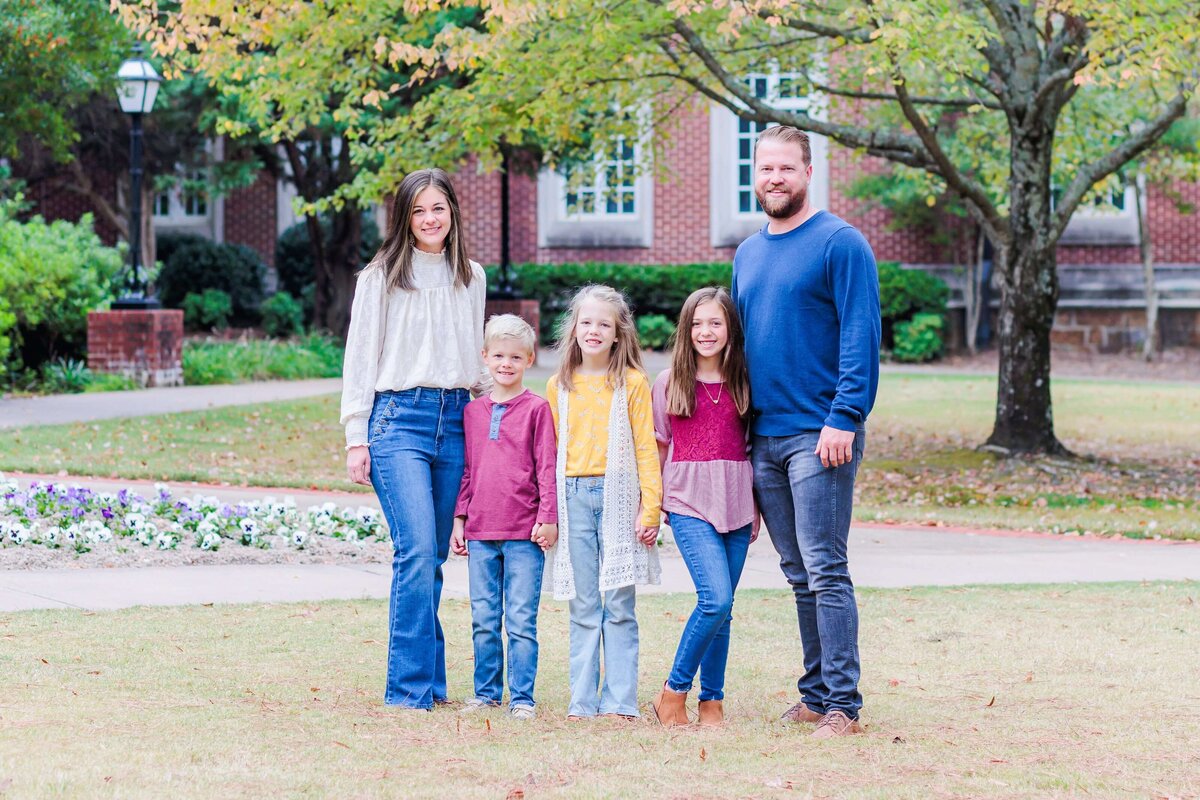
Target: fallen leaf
<point>1029,677</point>
<point>515,794</point>
<point>703,754</point>
<point>991,702</point>
<point>488,724</point>
<point>44,661</point>
<point>893,682</point>
<point>897,740</point>
<point>314,688</point>
<point>341,744</point>
<point>94,672</point>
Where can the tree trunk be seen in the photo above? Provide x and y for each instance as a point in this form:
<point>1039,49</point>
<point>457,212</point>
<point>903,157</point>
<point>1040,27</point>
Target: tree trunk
<point>1146,246</point>
<point>1029,295</point>
<point>341,265</point>
<point>973,292</point>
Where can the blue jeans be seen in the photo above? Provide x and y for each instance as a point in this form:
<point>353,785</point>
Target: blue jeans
<point>416,439</point>
<point>807,507</point>
<point>506,582</point>
<point>715,561</point>
<point>594,619</point>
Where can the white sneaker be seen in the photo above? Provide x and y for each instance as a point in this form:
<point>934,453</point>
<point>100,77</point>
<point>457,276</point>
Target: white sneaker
<point>476,704</point>
<point>522,712</point>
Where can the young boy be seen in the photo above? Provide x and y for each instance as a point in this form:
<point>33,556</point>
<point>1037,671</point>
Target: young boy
<point>507,516</point>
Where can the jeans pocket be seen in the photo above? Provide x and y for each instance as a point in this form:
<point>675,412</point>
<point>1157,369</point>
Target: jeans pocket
<point>384,414</point>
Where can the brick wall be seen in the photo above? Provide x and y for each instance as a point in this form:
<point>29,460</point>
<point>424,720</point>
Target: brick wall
<point>144,345</point>
<point>250,217</point>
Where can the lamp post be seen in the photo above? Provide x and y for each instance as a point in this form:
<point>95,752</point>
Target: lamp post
<point>136,92</point>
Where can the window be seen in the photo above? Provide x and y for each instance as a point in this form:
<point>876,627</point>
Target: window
<point>608,203</point>
<point>186,202</point>
<point>1109,218</point>
<point>734,210</point>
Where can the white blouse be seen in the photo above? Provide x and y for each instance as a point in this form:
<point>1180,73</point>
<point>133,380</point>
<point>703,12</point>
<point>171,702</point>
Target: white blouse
<point>430,336</point>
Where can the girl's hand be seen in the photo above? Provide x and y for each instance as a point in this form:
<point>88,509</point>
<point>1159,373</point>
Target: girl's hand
<point>545,535</point>
<point>458,537</point>
<point>647,534</point>
<point>358,465</point>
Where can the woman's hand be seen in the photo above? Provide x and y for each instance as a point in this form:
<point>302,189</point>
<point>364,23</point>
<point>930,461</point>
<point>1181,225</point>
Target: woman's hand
<point>358,465</point>
<point>647,535</point>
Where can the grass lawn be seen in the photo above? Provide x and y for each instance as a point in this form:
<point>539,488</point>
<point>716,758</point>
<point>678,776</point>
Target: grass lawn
<point>1138,477</point>
<point>963,700</point>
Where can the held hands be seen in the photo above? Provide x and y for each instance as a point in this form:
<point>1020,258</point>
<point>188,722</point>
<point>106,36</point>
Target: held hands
<point>835,447</point>
<point>544,535</point>
<point>458,537</point>
<point>358,465</point>
<point>647,534</point>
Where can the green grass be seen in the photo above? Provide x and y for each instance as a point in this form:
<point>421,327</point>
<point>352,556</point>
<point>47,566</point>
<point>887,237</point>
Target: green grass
<point>962,700</point>
<point>1136,476</point>
<point>312,356</point>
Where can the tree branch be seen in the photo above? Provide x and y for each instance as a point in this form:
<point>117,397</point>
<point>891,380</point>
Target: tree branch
<point>947,102</point>
<point>860,35</point>
<point>1137,143</point>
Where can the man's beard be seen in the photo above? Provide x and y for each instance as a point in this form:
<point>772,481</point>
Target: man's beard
<point>782,209</point>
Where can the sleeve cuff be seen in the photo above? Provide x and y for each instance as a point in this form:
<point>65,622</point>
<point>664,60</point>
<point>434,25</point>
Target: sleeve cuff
<point>842,420</point>
<point>356,431</point>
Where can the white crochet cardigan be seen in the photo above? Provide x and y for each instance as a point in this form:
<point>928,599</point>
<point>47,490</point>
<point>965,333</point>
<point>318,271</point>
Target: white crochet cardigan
<point>625,561</point>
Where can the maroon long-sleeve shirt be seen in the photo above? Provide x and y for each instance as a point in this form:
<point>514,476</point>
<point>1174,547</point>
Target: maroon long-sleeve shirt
<point>508,483</point>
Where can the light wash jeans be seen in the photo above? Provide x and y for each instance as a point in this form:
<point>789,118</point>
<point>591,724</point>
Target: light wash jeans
<point>715,561</point>
<point>506,583</point>
<point>416,439</point>
<point>807,510</point>
<point>609,619</point>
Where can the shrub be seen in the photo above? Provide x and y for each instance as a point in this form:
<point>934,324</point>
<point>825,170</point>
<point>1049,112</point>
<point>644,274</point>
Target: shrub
<point>282,315</point>
<point>65,376</point>
<point>655,331</point>
<point>293,259</point>
<point>51,276</point>
<point>208,310</point>
<point>919,339</point>
<point>313,356</point>
<point>198,264</point>
<point>904,293</point>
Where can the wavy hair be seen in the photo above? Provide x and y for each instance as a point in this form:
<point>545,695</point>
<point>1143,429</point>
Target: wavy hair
<point>626,351</point>
<point>395,255</point>
<point>681,387</point>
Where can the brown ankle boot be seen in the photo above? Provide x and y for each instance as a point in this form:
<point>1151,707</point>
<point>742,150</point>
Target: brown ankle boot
<point>712,712</point>
<point>670,707</point>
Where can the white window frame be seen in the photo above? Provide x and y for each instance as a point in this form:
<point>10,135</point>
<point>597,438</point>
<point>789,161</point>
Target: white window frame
<point>559,225</point>
<point>179,219</point>
<point>1104,224</point>
<point>728,223</point>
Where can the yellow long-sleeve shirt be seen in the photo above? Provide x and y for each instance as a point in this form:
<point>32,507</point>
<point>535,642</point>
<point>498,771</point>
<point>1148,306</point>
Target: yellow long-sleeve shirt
<point>587,419</point>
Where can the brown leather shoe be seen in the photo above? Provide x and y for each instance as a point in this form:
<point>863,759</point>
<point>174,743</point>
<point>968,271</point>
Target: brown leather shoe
<point>836,723</point>
<point>670,707</point>
<point>801,713</point>
<point>712,712</point>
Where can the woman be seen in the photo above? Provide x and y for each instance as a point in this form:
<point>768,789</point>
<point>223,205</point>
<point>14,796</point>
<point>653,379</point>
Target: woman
<point>412,355</point>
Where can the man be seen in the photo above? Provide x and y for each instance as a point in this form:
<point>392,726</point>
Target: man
<point>808,293</point>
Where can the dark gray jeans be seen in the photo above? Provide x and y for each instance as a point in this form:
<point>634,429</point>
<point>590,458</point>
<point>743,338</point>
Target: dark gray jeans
<point>807,507</point>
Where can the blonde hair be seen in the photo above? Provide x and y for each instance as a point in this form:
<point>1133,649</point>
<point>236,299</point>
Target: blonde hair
<point>509,326</point>
<point>626,351</point>
<point>681,388</point>
<point>788,134</point>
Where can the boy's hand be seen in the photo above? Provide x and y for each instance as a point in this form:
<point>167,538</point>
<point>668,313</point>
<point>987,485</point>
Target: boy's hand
<point>545,535</point>
<point>647,534</point>
<point>458,537</point>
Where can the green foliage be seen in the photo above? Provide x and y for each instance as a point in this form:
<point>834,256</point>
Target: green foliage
<point>282,315</point>
<point>207,310</point>
<point>294,261</point>
<point>904,294</point>
<point>920,338</point>
<point>51,276</point>
<point>110,382</point>
<point>65,376</point>
<point>655,331</point>
<point>314,356</point>
<point>650,288</point>
<point>197,264</point>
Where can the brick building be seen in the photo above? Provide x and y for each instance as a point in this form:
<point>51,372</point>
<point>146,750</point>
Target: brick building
<point>698,204</point>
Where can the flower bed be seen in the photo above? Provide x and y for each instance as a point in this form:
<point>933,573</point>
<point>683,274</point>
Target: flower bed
<point>58,516</point>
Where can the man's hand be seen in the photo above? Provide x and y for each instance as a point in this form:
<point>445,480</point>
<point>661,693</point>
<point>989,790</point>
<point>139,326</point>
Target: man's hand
<point>358,465</point>
<point>755,527</point>
<point>647,534</point>
<point>835,447</point>
<point>458,537</point>
<point>545,535</point>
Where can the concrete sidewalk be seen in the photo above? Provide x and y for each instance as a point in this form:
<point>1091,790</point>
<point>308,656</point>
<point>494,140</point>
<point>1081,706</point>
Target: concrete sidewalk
<point>879,557</point>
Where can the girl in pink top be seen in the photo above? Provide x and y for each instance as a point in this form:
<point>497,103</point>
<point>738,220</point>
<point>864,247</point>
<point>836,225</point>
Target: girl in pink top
<point>700,410</point>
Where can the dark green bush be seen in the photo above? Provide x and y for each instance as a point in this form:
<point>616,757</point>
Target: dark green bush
<point>65,376</point>
<point>198,264</point>
<point>920,338</point>
<point>208,310</point>
<point>282,315</point>
<point>51,275</point>
<point>651,288</point>
<point>655,331</point>
<point>903,293</point>
<point>293,259</point>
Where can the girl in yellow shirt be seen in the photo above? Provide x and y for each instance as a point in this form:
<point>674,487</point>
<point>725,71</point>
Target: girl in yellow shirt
<point>609,497</point>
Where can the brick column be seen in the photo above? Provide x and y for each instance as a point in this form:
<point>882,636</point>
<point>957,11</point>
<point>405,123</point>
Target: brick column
<point>147,346</point>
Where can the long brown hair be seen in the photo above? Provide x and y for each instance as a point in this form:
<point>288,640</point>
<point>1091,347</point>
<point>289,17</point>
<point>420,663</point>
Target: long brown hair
<point>395,255</point>
<point>681,388</point>
<point>626,351</point>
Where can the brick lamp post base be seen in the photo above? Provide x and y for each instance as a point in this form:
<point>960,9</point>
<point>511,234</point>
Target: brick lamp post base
<point>145,345</point>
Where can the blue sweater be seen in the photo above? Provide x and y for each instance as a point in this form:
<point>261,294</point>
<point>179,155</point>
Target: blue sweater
<point>809,302</point>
